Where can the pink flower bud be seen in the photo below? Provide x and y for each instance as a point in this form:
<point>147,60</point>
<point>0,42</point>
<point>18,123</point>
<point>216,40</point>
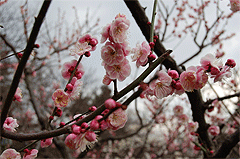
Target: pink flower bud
<point>98,117</point>
<point>76,129</point>
<point>94,125</point>
<point>36,45</point>
<point>103,125</point>
<point>231,63</point>
<point>151,57</point>
<point>46,142</point>
<point>84,125</point>
<point>69,87</point>
<point>105,112</point>
<point>90,136</point>
<point>152,44</point>
<point>173,73</point>
<point>58,112</point>
<point>92,108</point>
<point>87,54</point>
<point>110,103</point>
<point>19,55</point>
<point>62,124</point>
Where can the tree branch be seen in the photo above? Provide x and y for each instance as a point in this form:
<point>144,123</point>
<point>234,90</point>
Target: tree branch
<point>227,145</point>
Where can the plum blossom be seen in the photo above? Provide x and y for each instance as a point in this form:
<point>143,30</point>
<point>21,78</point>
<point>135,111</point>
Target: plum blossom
<point>80,49</point>
<point>211,64</point>
<point>18,95</point>
<point>118,28</point>
<point>183,118</point>
<point>178,110</point>
<point>46,142</point>
<point>193,78</point>
<point>225,72</point>
<point>74,88</point>
<point>162,85</point>
<point>68,68</point>
<point>235,5</point>
<point>74,141</point>
<point>105,33</point>
<point>120,71</point>
<point>117,119</point>
<point>91,41</point>
<point>192,126</point>
<point>10,124</point>
<point>112,53</point>
<point>214,130</point>
<point>60,98</point>
<point>141,53</point>
<point>30,154</point>
<point>10,154</point>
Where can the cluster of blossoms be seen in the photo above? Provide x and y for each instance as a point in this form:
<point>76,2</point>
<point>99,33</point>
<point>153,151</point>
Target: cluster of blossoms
<point>85,135</point>
<point>114,51</point>
<point>83,46</point>
<point>165,84</point>
<point>13,154</point>
<point>195,77</point>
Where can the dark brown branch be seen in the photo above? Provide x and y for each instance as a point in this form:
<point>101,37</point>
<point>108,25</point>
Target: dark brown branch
<point>227,145</point>
<point>222,98</point>
<point>195,97</point>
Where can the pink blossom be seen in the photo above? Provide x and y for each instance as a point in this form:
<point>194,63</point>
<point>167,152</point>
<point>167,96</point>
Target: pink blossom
<point>78,141</point>
<point>117,119</point>
<point>90,40</point>
<point>141,53</point>
<point>94,125</point>
<point>80,49</point>
<point>10,124</point>
<point>46,142</point>
<point>90,136</point>
<point>225,72</point>
<point>75,91</point>
<point>10,154</point>
<point>183,118</point>
<point>193,78</point>
<point>118,29</point>
<point>105,33</point>
<point>192,126</point>
<point>211,63</point>
<point>235,5</point>
<point>112,53</point>
<point>60,98</point>
<point>18,95</point>
<point>162,85</point>
<point>68,68</point>
<point>120,71</point>
<point>231,63</point>
<point>30,154</point>
<point>178,110</point>
<point>214,130</point>
<point>70,141</point>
